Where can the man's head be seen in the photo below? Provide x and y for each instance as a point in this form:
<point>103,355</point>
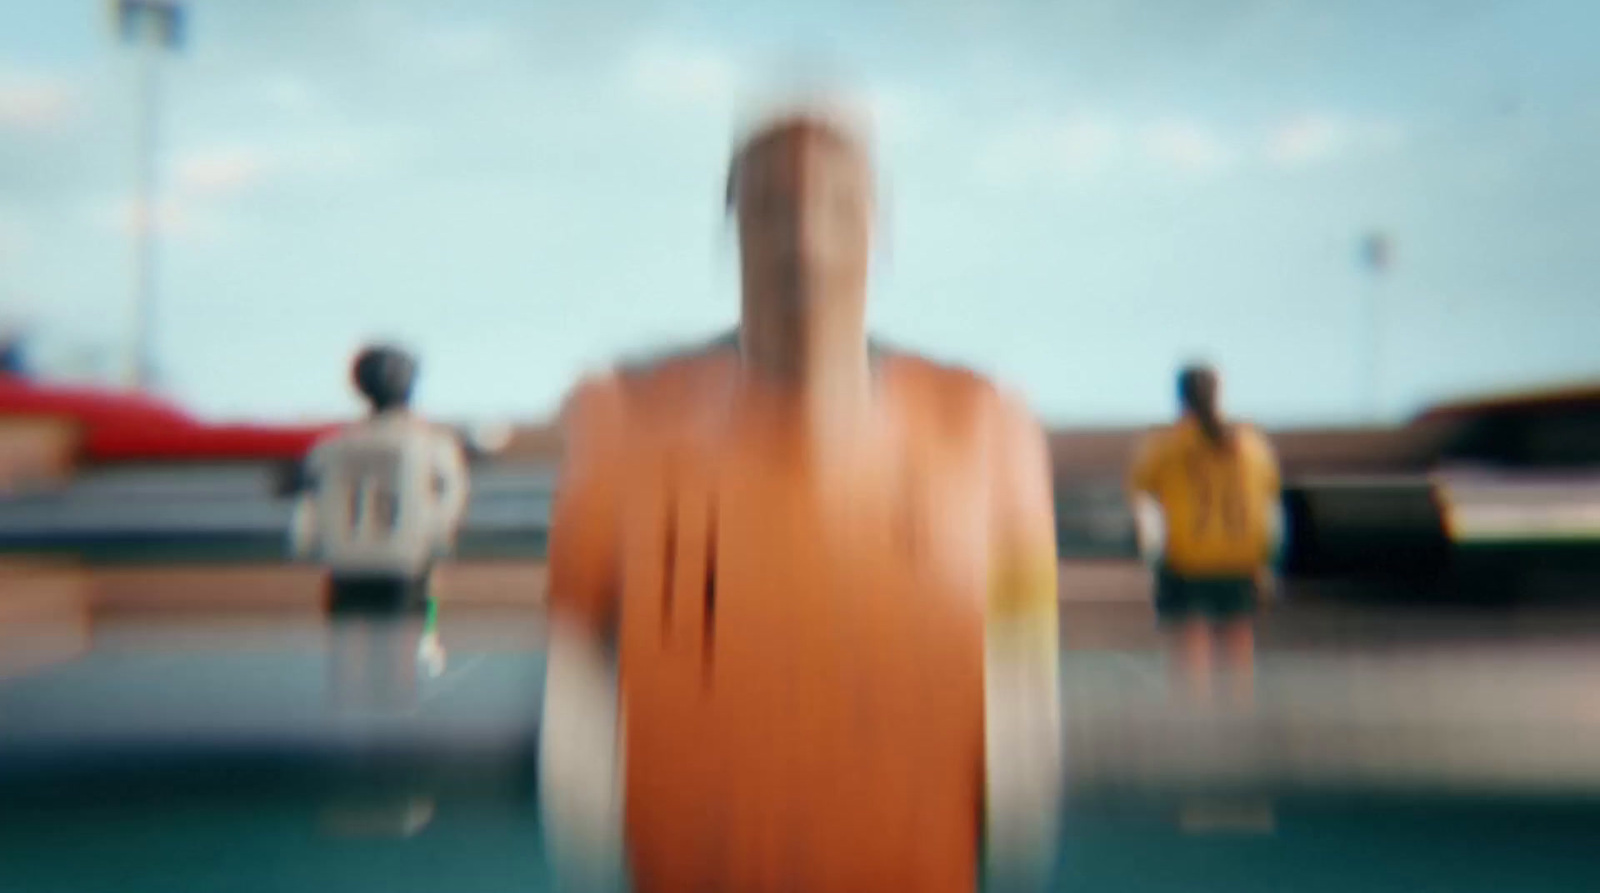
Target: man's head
<point>385,376</point>
<point>801,189</point>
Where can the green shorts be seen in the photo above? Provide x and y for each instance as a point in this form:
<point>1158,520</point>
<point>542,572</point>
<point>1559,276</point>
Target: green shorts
<point>1217,599</point>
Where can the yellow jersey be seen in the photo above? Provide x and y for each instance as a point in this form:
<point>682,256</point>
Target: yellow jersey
<point>1219,503</point>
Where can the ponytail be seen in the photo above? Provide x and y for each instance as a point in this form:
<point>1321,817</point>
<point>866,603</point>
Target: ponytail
<point>1197,393</point>
<point>1211,424</point>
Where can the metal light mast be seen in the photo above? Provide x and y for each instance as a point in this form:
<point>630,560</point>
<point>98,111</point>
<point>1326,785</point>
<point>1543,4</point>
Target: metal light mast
<point>153,28</point>
<point>1377,253</point>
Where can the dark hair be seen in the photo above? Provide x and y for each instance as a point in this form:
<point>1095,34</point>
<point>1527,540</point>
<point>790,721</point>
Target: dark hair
<point>1197,394</point>
<point>788,125</point>
<point>385,376</point>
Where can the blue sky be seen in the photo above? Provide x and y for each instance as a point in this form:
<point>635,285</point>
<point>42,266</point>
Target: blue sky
<point>1078,196</point>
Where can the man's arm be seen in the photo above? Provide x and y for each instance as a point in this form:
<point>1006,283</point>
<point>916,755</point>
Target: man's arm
<point>1023,720</point>
<point>455,485</point>
<point>581,759</point>
<point>1023,526</point>
<point>304,527</point>
<point>1272,488</point>
<point>585,516</point>
<point>1146,465</point>
<point>1148,522</point>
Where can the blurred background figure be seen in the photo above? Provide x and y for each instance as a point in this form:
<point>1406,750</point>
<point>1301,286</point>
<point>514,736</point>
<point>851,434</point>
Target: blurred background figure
<point>1207,505</point>
<point>816,664</point>
<point>384,499</point>
<point>375,675</point>
<point>13,354</point>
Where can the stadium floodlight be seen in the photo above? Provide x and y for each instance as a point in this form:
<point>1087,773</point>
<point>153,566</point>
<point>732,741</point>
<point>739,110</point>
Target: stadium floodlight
<point>152,27</point>
<point>1376,257</point>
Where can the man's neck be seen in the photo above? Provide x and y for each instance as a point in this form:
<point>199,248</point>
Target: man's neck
<point>823,362</point>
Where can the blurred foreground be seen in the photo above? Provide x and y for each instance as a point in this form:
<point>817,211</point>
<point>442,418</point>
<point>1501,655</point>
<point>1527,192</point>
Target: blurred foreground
<point>180,737</point>
<point>177,712</point>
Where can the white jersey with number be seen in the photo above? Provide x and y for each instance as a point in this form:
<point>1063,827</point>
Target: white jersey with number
<point>386,496</point>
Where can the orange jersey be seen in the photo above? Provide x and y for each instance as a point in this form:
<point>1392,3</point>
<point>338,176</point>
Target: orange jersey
<point>801,643</point>
<point>1217,502</point>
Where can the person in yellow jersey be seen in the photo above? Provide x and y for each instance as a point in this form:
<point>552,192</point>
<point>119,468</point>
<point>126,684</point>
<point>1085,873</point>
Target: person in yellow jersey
<point>1206,499</point>
<point>802,588</point>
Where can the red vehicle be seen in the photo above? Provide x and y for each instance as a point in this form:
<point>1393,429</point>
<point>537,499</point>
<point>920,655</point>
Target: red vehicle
<point>127,427</point>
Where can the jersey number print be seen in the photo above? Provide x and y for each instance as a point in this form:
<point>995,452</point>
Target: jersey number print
<point>1219,508</point>
<point>374,497</point>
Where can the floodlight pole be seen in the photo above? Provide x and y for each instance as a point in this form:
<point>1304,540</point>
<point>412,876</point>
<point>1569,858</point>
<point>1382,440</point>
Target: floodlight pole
<point>1372,368</point>
<point>1376,255</point>
<point>145,216</point>
<point>154,27</point>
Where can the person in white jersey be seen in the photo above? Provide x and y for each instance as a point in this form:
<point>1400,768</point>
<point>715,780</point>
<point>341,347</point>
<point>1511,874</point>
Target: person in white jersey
<point>380,503</point>
<point>383,498</point>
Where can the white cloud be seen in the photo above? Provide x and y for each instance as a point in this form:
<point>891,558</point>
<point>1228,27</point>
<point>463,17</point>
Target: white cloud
<point>13,236</point>
<point>1082,146</point>
<point>169,218</point>
<point>1306,140</point>
<point>1383,135</point>
<point>336,153</point>
<point>1043,150</point>
<point>222,171</point>
<point>467,46</point>
<point>192,204</point>
<point>287,93</point>
<point>676,75</point>
<point>898,114</point>
<point>673,74</point>
<point>1040,149</point>
<point>1072,149</point>
<point>1188,146</point>
<point>33,102</point>
<point>1315,137</point>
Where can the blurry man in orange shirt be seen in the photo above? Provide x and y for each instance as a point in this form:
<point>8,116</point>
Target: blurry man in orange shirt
<point>1206,493</point>
<point>823,575</point>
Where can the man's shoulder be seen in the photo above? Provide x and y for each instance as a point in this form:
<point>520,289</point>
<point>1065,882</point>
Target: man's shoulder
<point>646,374</point>
<point>652,365</point>
<point>329,442</point>
<point>935,375</point>
<point>1161,432</point>
<point>1253,437</point>
<point>957,393</point>
<point>368,432</point>
<point>1250,431</point>
<point>1159,440</point>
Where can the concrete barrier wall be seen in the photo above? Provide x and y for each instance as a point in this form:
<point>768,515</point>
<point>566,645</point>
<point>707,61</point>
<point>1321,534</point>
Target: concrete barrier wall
<point>44,614</point>
<point>484,584</point>
<point>275,587</point>
<point>1105,604</point>
<point>36,451</point>
<point>1104,453</point>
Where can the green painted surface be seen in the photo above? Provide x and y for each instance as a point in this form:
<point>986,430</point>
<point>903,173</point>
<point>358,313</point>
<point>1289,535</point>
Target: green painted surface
<point>1337,847</point>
